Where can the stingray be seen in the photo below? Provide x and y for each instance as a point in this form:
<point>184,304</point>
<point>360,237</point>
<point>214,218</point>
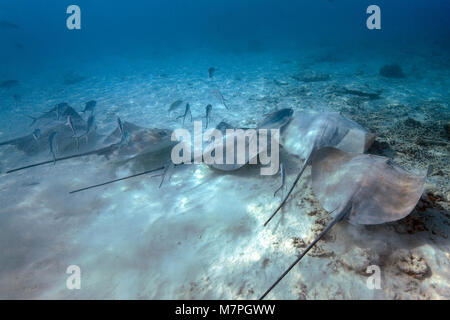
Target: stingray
<point>362,189</point>
<point>309,131</point>
<point>59,112</point>
<point>140,142</point>
<point>273,120</point>
<point>33,144</point>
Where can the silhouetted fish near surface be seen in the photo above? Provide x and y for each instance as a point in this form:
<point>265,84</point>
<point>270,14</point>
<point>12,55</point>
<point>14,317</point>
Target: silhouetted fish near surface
<point>8,84</point>
<point>219,96</point>
<point>8,25</point>
<point>175,105</point>
<point>208,114</point>
<point>211,72</point>
<point>186,112</point>
<point>90,106</point>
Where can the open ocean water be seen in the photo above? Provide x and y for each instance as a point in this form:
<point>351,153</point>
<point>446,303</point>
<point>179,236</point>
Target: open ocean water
<point>200,235</point>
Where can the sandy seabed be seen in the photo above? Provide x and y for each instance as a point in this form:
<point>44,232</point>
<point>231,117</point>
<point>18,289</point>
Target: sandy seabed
<point>201,235</point>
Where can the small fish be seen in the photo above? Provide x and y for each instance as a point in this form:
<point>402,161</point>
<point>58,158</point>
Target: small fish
<point>280,83</point>
<point>59,109</point>
<point>166,168</point>
<point>34,120</point>
<point>186,112</point>
<point>208,114</point>
<point>211,72</point>
<point>89,126</point>
<point>8,84</point>
<point>70,124</point>
<point>90,106</point>
<point>283,178</point>
<point>16,98</point>
<point>175,105</point>
<point>31,184</point>
<point>124,135</point>
<point>125,139</point>
<point>120,126</point>
<point>219,96</point>
<point>36,134</point>
<point>8,25</point>
<point>51,140</point>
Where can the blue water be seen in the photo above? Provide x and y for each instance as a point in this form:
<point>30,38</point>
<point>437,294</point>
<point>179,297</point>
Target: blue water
<point>200,235</point>
<point>151,28</point>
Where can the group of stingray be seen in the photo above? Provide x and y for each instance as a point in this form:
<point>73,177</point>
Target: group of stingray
<point>361,188</point>
<point>60,129</point>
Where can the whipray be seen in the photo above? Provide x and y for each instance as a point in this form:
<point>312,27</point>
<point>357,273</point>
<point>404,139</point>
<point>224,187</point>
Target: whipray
<point>309,131</point>
<point>128,141</point>
<point>56,121</point>
<point>275,120</point>
<point>362,189</point>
